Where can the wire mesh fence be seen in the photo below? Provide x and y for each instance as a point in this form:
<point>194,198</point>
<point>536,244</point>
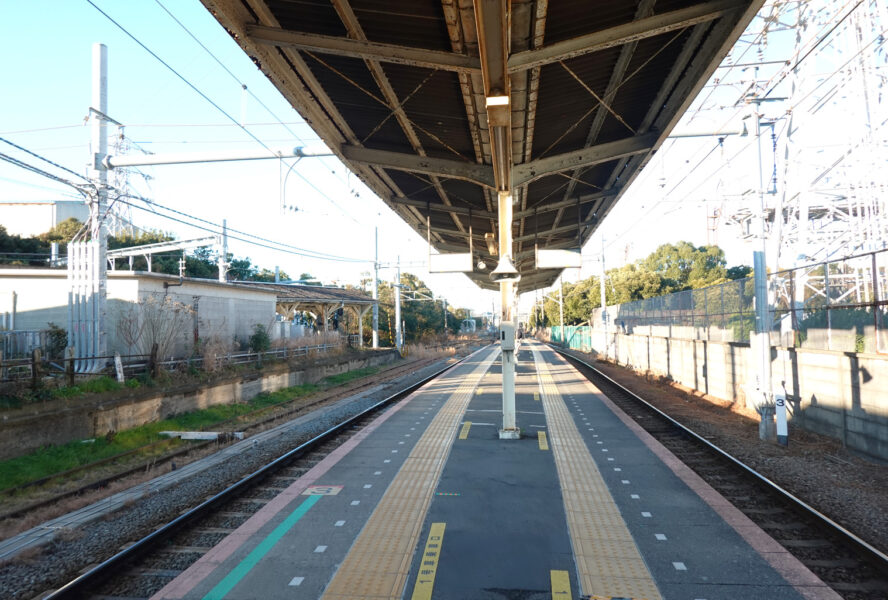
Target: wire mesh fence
<point>18,369</point>
<point>837,305</point>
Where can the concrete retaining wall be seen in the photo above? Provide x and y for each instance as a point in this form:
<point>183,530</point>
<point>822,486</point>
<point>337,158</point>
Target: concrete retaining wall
<point>21,434</point>
<point>840,394</point>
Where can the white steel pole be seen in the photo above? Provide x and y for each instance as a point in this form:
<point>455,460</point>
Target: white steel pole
<point>602,275</point>
<point>223,253</point>
<point>398,306</point>
<point>507,326</point>
<point>561,305</point>
<point>376,290</point>
<point>762,316</point>
<point>99,229</point>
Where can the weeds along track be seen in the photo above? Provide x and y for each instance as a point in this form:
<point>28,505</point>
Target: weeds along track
<point>251,422</point>
<point>145,566</point>
<point>851,567</point>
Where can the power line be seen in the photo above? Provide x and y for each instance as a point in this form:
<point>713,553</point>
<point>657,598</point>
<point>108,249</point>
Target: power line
<point>217,229</point>
<point>43,158</point>
<point>29,167</point>
<point>255,97</point>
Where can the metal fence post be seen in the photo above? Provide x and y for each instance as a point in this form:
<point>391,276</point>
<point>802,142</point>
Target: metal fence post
<point>35,368</point>
<point>876,306</point>
<point>828,316</point>
<point>69,365</point>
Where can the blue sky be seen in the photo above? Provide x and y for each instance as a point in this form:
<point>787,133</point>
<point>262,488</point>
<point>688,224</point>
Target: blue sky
<point>46,94</point>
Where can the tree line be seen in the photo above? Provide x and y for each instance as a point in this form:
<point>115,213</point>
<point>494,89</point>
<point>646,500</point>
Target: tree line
<point>423,319</point>
<point>670,268</point>
<point>199,262</point>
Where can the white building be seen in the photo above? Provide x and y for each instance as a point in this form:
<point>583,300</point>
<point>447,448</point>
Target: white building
<point>143,308</point>
<point>31,218</point>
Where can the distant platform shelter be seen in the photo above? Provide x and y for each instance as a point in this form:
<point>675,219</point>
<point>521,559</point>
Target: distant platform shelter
<point>324,303</point>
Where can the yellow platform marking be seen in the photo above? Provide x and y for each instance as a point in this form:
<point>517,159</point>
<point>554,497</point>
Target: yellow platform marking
<point>378,563</point>
<point>560,585</point>
<point>541,438</point>
<point>464,433</point>
<point>608,561</point>
<point>536,396</point>
<point>479,391</point>
<point>425,579</point>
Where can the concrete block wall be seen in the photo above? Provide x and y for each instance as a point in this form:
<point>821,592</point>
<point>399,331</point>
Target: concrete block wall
<point>840,394</point>
<point>30,428</point>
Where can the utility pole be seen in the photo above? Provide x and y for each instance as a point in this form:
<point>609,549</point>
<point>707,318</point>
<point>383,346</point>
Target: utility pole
<point>398,307</point>
<point>561,304</point>
<point>87,260</point>
<point>762,346</point>
<point>603,299</point>
<point>376,289</point>
<point>99,229</point>
<point>223,253</point>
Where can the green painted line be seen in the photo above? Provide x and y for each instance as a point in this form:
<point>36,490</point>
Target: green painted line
<point>247,564</point>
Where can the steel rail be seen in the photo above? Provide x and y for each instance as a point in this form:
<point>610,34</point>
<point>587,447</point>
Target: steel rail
<point>164,458</point>
<point>87,581</point>
<point>875,556</point>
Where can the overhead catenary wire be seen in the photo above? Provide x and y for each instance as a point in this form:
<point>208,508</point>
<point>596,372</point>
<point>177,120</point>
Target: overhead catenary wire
<point>198,91</point>
<point>217,228</point>
<point>245,88</point>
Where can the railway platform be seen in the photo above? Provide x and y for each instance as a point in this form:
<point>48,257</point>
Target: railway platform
<point>427,502</point>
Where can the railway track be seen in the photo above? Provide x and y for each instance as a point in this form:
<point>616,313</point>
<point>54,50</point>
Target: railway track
<point>144,567</point>
<point>261,419</point>
<point>853,568</point>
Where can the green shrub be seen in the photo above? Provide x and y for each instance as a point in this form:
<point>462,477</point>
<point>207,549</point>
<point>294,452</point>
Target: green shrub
<point>260,341</point>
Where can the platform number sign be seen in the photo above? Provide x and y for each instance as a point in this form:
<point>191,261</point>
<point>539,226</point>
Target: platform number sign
<point>322,490</point>
<point>428,565</point>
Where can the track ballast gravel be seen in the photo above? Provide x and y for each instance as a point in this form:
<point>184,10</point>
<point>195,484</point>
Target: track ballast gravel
<point>32,574</point>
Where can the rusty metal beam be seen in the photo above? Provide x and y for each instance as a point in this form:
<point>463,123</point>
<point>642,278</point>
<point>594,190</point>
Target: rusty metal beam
<point>401,161</point>
<point>593,155</point>
<point>363,49</point>
<point>621,34</point>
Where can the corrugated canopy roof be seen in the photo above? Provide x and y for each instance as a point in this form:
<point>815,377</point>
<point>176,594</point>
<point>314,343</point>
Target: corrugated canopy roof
<point>313,294</point>
<point>397,89</point>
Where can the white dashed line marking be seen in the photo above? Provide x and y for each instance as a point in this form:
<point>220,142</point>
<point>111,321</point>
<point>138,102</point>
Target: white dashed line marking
<point>320,549</point>
<point>296,581</point>
<point>604,449</point>
<point>610,458</point>
<point>646,515</point>
<point>625,482</point>
<point>634,496</point>
<point>660,537</point>
<point>394,451</point>
<point>617,469</point>
<point>400,442</point>
<point>355,502</point>
<point>377,472</point>
<point>679,566</point>
<point>599,442</point>
<point>338,523</point>
<point>368,485</point>
<point>388,460</point>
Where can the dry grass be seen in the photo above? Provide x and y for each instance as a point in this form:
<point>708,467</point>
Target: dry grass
<point>420,350</point>
<point>213,351</point>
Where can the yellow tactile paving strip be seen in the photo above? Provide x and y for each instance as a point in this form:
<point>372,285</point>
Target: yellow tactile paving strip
<point>378,562</point>
<point>607,558</point>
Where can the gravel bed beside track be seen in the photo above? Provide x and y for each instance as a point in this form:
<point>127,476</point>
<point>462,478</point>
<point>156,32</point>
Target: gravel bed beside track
<point>850,490</point>
<point>41,570</point>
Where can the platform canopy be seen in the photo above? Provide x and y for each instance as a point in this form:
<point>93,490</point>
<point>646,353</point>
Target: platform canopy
<point>443,107</point>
